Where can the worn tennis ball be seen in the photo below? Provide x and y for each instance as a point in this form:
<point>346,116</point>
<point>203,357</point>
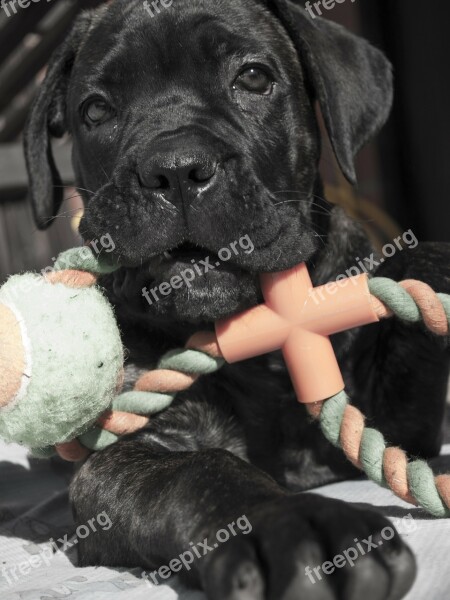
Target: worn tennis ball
<point>61,358</point>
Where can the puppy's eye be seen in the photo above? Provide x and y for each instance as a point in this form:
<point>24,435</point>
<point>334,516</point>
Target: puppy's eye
<point>96,111</point>
<point>254,80</point>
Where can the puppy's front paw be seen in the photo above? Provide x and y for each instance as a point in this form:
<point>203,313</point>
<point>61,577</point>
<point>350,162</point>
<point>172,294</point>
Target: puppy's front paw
<point>311,548</point>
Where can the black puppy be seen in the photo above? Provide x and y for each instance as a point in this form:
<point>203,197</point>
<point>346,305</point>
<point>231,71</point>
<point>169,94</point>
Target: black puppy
<point>193,129</point>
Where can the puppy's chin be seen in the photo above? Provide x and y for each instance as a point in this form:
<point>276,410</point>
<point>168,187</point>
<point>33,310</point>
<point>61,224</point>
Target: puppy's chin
<point>210,297</point>
<point>173,291</point>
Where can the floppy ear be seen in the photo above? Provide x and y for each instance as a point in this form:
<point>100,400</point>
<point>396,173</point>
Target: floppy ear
<point>351,79</point>
<point>47,119</point>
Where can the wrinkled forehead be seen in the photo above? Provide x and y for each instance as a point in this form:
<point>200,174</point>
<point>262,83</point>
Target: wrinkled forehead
<point>131,38</point>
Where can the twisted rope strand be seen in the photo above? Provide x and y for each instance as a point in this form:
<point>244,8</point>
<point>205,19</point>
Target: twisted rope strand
<point>344,425</point>
<point>155,391</point>
<point>414,482</point>
<point>412,301</point>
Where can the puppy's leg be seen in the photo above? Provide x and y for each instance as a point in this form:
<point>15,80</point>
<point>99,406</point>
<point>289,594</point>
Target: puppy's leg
<point>223,525</point>
<point>402,372</point>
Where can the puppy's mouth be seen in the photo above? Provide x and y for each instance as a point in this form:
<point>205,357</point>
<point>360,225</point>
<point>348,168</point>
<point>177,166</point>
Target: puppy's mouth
<point>188,255</point>
<point>185,252</point>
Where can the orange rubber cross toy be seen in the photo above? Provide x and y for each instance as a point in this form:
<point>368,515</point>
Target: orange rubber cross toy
<point>297,319</point>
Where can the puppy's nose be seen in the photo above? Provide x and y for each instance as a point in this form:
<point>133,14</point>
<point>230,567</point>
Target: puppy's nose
<point>178,174</point>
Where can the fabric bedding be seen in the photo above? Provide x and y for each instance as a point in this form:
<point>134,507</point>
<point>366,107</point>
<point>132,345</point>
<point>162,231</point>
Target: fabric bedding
<point>38,548</point>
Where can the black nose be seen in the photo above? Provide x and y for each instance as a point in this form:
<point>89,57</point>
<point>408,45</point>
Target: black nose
<point>178,173</point>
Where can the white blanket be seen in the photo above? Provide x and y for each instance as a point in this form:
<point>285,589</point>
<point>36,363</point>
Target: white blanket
<point>34,509</point>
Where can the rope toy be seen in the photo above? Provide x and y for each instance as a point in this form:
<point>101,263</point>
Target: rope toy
<point>295,318</point>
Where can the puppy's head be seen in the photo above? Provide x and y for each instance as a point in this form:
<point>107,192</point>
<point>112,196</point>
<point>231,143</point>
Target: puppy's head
<point>195,143</point>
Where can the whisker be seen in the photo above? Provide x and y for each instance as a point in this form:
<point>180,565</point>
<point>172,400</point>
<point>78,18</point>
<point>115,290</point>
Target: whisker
<point>108,179</point>
<point>71,210</point>
<point>68,187</point>
<point>323,209</point>
<point>291,192</point>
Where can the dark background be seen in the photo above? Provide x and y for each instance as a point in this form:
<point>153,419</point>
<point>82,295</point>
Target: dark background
<point>414,148</point>
<point>405,173</point>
